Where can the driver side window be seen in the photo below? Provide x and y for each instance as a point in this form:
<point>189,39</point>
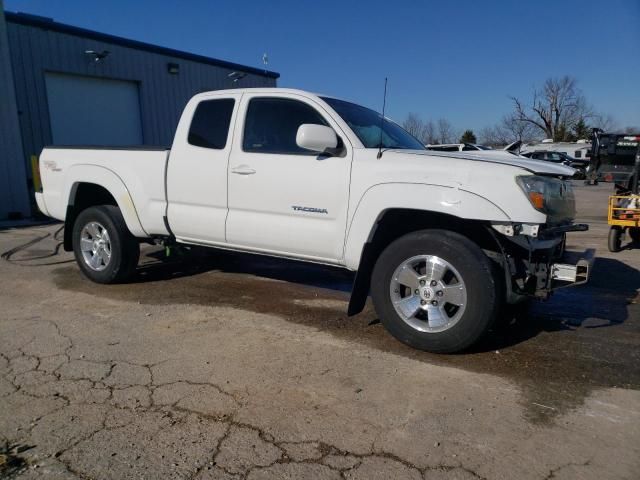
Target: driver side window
<point>271,125</point>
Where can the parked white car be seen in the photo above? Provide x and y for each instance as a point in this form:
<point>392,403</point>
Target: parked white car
<point>580,150</point>
<point>440,240</point>
<point>475,149</point>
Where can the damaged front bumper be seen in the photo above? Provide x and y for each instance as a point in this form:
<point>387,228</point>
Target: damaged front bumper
<point>564,275</point>
<point>572,274</point>
<point>533,256</point>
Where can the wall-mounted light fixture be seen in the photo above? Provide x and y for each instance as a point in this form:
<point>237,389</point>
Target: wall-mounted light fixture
<point>97,56</point>
<point>236,76</point>
<point>173,68</point>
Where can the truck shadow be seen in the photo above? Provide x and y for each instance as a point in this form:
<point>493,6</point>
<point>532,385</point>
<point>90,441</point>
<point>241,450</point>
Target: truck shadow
<point>155,266</point>
<point>603,302</point>
<point>557,351</point>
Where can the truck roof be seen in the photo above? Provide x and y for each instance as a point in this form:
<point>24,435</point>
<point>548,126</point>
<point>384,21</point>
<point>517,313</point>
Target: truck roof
<point>262,90</point>
<point>269,90</point>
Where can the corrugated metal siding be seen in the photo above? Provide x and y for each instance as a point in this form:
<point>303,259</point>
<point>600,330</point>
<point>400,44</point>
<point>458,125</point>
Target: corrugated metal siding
<point>36,50</point>
<point>13,183</point>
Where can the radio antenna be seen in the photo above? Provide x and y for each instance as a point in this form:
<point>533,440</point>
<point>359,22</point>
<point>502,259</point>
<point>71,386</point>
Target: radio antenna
<point>384,105</point>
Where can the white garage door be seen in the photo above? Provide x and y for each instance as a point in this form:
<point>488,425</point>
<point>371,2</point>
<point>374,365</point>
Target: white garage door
<point>93,111</point>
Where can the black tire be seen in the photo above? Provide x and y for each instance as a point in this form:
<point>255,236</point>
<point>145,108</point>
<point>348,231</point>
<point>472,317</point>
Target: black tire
<point>615,238</point>
<point>634,233</point>
<point>482,283</point>
<point>123,246</point>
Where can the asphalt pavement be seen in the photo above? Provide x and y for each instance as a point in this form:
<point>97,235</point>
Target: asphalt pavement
<point>219,365</point>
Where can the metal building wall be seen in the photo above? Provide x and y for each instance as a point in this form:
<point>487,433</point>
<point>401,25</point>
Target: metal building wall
<point>14,197</point>
<point>37,46</point>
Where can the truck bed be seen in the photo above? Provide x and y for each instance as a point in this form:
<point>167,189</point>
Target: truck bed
<point>137,172</point>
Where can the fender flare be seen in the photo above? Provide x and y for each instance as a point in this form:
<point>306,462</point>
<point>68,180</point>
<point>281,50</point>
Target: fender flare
<point>110,181</point>
<point>377,200</point>
<point>433,198</point>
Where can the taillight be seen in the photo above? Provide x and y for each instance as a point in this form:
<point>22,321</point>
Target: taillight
<point>35,173</point>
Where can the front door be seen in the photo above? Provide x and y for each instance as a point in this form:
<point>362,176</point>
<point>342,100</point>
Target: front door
<point>283,198</point>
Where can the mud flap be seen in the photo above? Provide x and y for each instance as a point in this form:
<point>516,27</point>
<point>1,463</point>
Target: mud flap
<point>361,282</point>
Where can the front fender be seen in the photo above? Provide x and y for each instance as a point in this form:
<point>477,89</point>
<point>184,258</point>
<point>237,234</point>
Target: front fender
<point>108,179</point>
<point>416,196</point>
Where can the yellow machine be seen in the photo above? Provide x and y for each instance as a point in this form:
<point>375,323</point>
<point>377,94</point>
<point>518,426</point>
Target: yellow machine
<point>623,216</point>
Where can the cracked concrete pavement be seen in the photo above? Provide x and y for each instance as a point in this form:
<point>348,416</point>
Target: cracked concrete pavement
<point>223,367</point>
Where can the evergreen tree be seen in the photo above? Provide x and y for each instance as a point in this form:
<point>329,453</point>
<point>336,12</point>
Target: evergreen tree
<point>581,130</point>
<point>468,137</point>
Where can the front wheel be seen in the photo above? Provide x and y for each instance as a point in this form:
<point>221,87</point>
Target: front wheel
<point>615,238</point>
<point>435,290</point>
<point>103,246</point>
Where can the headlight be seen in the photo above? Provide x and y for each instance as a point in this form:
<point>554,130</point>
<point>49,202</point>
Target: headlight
<point>534,188</point>
<point>547,194</point>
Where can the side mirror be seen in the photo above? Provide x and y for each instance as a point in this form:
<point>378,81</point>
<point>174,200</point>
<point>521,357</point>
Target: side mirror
<point>316,138</point>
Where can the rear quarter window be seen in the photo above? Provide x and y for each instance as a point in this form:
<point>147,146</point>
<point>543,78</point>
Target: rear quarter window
<point>210,123</point>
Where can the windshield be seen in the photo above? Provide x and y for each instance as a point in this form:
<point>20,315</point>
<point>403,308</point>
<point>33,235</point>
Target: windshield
<point>365,123</point>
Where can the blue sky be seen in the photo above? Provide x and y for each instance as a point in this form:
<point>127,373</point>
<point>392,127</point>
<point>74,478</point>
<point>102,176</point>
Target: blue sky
<point>458,59</point>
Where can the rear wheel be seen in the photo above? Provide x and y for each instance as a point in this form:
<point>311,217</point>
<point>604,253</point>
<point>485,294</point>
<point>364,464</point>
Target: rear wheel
<point>103,246</point>
<point>435,290</point>
<point>634,233</point>
<point>615,238</point>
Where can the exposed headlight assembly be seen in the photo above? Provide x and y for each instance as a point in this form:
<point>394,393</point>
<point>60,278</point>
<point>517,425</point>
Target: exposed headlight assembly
<point>547,194</point>
<point>533,187</point>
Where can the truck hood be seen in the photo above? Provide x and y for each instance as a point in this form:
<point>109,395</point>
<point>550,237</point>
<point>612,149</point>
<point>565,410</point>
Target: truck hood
<point>498,156</point>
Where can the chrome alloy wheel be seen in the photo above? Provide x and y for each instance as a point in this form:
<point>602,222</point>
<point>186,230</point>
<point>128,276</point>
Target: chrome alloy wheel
<point>95,246</point>
<point>428,293</point>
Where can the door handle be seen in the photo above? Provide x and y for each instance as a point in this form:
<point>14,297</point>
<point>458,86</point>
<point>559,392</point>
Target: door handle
<point>243,170</point>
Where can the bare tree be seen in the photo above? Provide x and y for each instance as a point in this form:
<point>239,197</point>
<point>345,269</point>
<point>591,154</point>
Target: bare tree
<point>491,136</point>
<point>446,133</point>
<point>426,132</point>
<point>555,109</point>
<point>414,125</point>
<point>515,129</point>
<point>604,122</point>
<point>508,130</point>
<point>430,136</point>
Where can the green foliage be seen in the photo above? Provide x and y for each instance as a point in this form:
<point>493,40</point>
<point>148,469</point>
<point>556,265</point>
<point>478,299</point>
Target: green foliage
<point>581,130</point>
<point>468,137</point>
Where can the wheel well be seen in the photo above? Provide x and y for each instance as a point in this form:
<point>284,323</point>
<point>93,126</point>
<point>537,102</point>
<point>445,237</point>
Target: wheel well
<point>395,223</point>
<point>83,196</point>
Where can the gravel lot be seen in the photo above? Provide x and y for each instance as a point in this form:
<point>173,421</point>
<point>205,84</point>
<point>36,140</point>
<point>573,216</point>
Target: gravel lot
<point>223,366</point>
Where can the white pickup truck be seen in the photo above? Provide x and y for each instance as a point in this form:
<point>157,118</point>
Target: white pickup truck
<point>440,240</point>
